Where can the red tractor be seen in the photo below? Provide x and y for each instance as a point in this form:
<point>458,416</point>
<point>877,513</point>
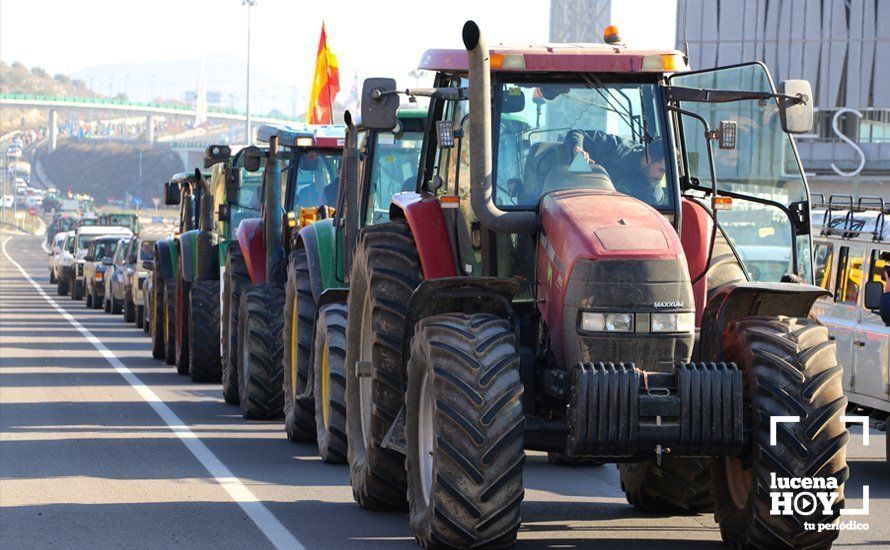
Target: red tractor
<point>572,275</point>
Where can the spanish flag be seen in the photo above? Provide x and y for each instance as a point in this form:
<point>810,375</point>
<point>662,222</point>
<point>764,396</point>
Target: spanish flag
<point>325,85</point>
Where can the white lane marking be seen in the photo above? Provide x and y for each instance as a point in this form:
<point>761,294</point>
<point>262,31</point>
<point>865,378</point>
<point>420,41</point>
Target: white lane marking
<point>277,533</point>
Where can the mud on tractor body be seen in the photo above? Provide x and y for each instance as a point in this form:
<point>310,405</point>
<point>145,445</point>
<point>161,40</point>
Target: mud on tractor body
<point>567,277</point>
<point>308,161</point>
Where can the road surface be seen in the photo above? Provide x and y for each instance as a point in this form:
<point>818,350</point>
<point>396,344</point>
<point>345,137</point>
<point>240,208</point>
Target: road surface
<point>103,446</point>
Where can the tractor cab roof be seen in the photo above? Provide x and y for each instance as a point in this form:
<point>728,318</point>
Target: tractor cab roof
<point>184,178</point>
<point>321,136</point>
<point>565,58</point>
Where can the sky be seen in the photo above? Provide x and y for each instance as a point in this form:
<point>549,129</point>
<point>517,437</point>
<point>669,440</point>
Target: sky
<point>379,38</point>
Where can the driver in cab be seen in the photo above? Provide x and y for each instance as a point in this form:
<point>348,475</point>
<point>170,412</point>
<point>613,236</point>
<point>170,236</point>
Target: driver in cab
<point>632,170</point>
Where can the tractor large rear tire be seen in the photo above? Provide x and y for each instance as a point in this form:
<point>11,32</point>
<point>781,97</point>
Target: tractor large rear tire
<point>464,432</point>
<point>261,350</point>
<point>299,325</point>
<point>203,332</point>
<point>236,277</point>
<point>329,379</point>
<point>385,272</point>
<point>169,325</point>
<point>182,326</point>
<point>791,369</point>
<point>678,486</point>
<point>156,319</point>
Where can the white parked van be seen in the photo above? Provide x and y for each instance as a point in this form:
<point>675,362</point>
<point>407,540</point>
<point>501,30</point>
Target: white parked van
<point>851,251</point>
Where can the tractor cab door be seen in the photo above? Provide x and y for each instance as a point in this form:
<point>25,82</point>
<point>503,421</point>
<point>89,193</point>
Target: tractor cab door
<point>765,210</point>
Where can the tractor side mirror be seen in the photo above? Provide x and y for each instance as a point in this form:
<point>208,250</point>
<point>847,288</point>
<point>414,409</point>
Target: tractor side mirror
<point>252,158</point>
<point>379,109</point>
<point>797,118</point>
<point>216,154</point>
<point>874,291</point>
<point>233,185</point>
<point>148,264</point>
<point>222,214</point>
<point>172,193</point>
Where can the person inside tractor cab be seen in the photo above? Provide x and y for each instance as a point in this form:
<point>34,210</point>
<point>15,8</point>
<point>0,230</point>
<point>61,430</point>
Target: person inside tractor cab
<point>635,169</point>
<point>317,179</point>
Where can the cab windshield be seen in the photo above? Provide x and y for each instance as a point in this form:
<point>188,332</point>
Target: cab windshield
<point>103,248</point>
<point>394,170</point>
<point>554,135</point>
<point>317,178</point>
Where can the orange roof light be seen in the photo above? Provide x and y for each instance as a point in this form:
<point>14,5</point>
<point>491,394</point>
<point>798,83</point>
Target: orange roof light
<point>668,62</point>
<point>611,36</point>
<point>722,203</point>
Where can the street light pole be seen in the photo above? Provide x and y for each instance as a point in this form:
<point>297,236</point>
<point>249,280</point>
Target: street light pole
<point>247,137</point>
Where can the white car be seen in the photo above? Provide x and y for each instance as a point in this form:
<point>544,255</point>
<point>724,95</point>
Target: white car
<point>65,264</point>
<point>83,235</point>
<point>55,252</point>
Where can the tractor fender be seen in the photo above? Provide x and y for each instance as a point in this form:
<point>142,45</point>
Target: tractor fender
<point>459,295</point>
<point>188,254</point>
<point>424,215</point>
<point>167,258</point>
<point>317,239</point>
<point>735,301</point>
<point>250,238</point>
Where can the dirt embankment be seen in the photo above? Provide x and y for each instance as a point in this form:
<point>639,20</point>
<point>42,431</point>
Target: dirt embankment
<point>110,170</point>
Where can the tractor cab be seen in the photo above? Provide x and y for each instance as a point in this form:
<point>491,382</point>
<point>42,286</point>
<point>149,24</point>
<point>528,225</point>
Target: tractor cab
<point>185,189</point>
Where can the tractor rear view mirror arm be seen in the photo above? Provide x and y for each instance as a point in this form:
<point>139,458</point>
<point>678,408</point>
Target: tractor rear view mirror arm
<point>795,101</point>
<point>380,101</point>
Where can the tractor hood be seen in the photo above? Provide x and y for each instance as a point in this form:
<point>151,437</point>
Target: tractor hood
<point>605,225</point>
<point>602,251</point>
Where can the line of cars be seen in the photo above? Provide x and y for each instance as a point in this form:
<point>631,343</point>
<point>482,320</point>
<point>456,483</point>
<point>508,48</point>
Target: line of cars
<point>425,296</point>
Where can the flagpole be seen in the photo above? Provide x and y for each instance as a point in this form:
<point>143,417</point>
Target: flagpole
<point>247,138</point>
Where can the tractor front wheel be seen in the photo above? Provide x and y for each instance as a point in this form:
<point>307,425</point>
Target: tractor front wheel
<point>169,325</point>
<point>299,324</point>
<point>261,347</point>
<point>464,432</point>
<point>182,326</point>
<point>236,276</point>
<point>156,319</point>
<point>329,379</point>
<point>791,370</point>
<point>203,332</point>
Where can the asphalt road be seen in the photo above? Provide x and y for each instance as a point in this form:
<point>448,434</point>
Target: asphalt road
<point>103,446</point>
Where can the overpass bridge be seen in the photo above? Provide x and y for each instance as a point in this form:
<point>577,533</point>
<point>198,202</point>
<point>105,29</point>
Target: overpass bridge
<point>135,108</point>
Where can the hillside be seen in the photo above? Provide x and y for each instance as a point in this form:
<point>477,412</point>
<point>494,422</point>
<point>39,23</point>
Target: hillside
<point>111,169</point>
<point>18,79</point>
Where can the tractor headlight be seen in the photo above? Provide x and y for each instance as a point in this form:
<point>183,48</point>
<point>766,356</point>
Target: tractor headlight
<point>607,322</point>
<point>672,322</point>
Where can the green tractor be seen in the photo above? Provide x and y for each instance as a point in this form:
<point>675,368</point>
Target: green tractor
<point>183,263</point>
<point>590,296</point>
<point>235,193</point>
<point>257,270</point>
<point>376,165</point>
